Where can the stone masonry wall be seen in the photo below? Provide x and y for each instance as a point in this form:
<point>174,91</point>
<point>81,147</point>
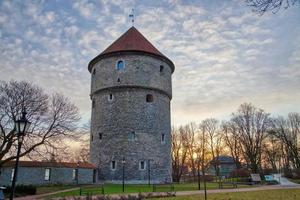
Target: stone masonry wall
<point>120,109</point>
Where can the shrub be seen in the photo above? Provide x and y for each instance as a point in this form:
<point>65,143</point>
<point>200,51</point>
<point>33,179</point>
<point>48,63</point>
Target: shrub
<point>296,173</point>
<point>239,173</point>
<point>22,190</point>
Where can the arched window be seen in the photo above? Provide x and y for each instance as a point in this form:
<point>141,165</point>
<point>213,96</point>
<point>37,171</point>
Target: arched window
<point>120,65</point>
<point>149,98</point>
<point>110,97</point>
<point>113,165</point>
<point>131,136</point>
<point>161,68</point>
<point>163,138</point>
<point>142,165</point>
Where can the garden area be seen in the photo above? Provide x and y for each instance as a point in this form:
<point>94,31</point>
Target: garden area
<point>109,189</point>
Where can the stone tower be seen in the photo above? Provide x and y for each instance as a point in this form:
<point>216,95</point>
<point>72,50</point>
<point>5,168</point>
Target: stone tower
<point>130,125</point>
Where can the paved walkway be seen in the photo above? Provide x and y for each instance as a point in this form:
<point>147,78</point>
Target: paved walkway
<point>184,193</point>
<point>40,196</point>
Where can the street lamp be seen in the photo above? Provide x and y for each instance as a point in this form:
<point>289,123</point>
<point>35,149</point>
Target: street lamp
<point>77,174</point>
<point>21,126</point>
<point>149,172</point>
<point>198,171</point>
<point>123,170</point>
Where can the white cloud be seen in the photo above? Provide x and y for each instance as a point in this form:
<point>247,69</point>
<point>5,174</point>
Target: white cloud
<point>224,55</point>
<point>84,7</point>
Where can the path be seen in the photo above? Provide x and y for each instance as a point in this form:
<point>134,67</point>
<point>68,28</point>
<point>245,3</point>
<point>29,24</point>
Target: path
<point>283,181</point>
<point>40,196</point>
<point>185,193</point>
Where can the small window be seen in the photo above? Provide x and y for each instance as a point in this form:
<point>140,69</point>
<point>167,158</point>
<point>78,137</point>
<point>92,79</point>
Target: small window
<point>113,165</point>
<point>74,174</point>
<point>92,137</point>
<point>119,81</point>
<point>161,68</point>
<point>110,97</point>
<point>163,138</point>
<point>12,174</point>
<point>94,71</point>
<point>142,165</point>
<point>120,65</point>
<point>47,174</point>
<point>131,136</point>
<point>100,136</point>
<point>149,98</point>
<point>93,103</point>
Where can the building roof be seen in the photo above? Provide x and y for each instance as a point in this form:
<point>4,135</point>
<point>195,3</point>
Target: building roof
<point>84,165</point>
<point>131,41</point>
<point>223,159</point>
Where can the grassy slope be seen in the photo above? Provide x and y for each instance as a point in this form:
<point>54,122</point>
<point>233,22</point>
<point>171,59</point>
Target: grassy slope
<point>117,189</point>
<point>284,194</point>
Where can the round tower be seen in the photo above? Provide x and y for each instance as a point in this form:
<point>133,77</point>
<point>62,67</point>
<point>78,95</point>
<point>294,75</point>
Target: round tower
<point>130,124</point>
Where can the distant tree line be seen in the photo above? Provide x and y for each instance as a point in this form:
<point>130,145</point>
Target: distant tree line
<point>255,140</point>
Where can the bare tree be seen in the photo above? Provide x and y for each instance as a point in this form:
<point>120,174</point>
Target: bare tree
<point>288,131</point>
<point>262,6</point>
<point>214,141</point>
<point>252,124</point>
<point>179,152</point>
<point>190,143</point>
<point>232,141</point>
<point>272,152</point>
<point>53,117</point>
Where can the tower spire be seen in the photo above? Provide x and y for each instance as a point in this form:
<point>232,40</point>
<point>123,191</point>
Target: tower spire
<point>132,16</point>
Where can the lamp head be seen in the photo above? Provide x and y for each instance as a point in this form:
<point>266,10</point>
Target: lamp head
<point>22,125</point>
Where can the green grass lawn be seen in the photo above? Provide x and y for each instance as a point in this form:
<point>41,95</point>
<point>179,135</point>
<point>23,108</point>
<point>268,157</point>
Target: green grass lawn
<point>117,189</point>
<point>284,194</point>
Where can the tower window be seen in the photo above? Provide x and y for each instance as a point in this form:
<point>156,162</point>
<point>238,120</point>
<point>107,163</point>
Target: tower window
<point>142,165</point>
<point>113,165</point>
<point>92,137</point>
<point>120,65</point>
<point>94,71</point>
<point>119,80</point>
<point>110,97</point>
<point>163,138</point>
<point>161,68</point>
<point>132,136</point>
<point>149,98</point>
<point>100,136</point>
<point>93,103</point>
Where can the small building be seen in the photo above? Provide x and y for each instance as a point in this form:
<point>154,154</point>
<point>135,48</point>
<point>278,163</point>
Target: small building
<point>226,165</point>
<point>47,173</point>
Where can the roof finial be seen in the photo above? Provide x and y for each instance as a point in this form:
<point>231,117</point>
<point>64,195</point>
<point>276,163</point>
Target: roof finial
<point>132,16</point>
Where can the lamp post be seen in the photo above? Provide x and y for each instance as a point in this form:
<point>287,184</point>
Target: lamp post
<point>123,172</point>
<point>22,125</point>
<point>199,186</point>
<point>77,174</point>
<point>149,173</point>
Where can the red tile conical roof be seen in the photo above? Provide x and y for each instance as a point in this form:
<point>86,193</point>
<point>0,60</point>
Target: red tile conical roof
<point>131,40</point>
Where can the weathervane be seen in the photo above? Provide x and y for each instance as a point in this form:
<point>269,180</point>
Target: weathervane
<point>132,16</point>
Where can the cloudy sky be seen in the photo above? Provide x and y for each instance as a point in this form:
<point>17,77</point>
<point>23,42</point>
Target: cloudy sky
<point>223,52</point>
